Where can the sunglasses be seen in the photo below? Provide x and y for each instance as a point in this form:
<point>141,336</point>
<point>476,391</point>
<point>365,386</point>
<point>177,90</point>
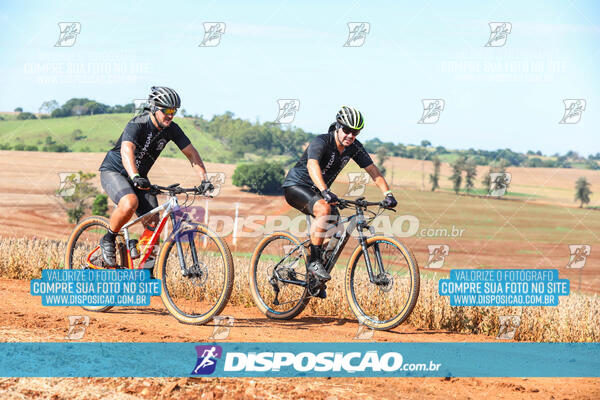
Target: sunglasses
<point>168,111</point>
<point>350,131</point>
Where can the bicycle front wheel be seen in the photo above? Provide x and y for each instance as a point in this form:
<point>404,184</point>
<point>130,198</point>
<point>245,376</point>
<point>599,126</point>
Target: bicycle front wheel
<point>278,260</point>
<point>386,301</point>
<point>83,245</point>
<point>196,270</point>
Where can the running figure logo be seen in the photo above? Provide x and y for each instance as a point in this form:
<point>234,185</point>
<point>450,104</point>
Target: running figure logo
<point>499,182</point>
<point>573,110</point>
<point>207,359</point>
<point>499,32</point>
<point>357,183</point>
<point>218,180</point>
<point>432,109</point>
<point>139,105</point>
<point>437,255</point>
<point>287,110</point>
<point>223,325</point>
<point>68,183</point>
<point>508,326</point>
<point>357,34</point>
<point>579,255</point>
<point>68,34</point>
<point>212,34</point>
<point>363,332</point>
<point>77,326</point>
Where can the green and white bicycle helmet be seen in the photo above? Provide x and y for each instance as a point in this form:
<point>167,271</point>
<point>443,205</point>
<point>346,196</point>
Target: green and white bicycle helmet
<point>350,117</point>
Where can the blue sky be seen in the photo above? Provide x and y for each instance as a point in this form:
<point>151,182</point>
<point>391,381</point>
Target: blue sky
<point>495,97</point>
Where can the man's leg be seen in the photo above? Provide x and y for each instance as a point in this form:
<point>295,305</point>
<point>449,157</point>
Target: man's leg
<point>121,192</point>
<point>310,202</point>
<point>125,209</point>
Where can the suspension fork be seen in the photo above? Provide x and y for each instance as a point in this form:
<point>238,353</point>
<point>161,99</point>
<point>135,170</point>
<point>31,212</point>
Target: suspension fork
<point>181,257</point>
<point>360,225</point>
<point>363,243</point>
<point>193,248</point>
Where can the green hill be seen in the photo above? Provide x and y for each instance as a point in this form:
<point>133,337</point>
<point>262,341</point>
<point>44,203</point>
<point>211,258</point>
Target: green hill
<point>97,133</point>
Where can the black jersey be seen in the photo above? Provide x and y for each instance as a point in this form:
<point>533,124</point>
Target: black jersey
<point>324,149</point>
<point>149,142</point>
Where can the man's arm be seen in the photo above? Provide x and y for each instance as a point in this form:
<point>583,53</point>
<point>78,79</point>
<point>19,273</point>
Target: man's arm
<point>314,170</point>
<point>378,178</point>
<point>192,154</point>
<point>128,158</point>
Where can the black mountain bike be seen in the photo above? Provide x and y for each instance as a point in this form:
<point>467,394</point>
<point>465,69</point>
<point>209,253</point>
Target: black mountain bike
<point>381,280</point>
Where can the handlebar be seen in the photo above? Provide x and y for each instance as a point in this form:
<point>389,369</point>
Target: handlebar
<point>174,189</point>
<point>361,203</point>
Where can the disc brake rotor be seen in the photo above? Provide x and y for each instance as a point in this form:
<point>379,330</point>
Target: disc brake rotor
<point>198,273</point>
<point>386,282</point>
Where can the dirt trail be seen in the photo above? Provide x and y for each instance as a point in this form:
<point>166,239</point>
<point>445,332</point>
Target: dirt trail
<point>24,319</point>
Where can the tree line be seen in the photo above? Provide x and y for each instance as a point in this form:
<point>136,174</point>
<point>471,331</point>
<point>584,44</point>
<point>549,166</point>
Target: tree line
<point>425,151</point>
<point>74,107</point>
<point>464,170</point>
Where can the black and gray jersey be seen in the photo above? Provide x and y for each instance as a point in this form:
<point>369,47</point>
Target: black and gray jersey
<point>324,149</point>
<point>149,143</point>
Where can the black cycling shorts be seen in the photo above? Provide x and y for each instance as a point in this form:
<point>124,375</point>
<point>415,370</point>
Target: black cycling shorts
<point>302,198</point>
<point>117,186</point>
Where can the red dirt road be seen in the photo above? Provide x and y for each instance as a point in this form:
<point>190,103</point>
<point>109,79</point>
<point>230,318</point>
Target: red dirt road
<point>23,319</point>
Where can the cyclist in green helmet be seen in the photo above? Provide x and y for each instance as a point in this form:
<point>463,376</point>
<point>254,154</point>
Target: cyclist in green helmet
<point>307,184</point>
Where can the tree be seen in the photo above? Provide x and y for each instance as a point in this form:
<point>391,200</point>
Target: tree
<point>19,109</point>
<point>26,115</point>
<point>75,193</point>
<point>456,177</point>
<point>582,191</point>
<point>435,177</point>
<point>80,110</point>
<point>495,167</point>
<point>48,106</point>
<point>100,205</point>
<point>425,143</point>
<point>470,174</point>
<point>261,177</point>
<point>382,156</point>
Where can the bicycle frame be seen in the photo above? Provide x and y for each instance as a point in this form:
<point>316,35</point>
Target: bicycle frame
<point>168,208</point>
<point>356,221</point>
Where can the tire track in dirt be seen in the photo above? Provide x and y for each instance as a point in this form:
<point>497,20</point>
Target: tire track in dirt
<point>24,319</point>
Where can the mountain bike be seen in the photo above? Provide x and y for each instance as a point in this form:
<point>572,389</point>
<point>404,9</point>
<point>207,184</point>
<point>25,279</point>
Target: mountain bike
<point>381,278</point>
<point>194,264</point>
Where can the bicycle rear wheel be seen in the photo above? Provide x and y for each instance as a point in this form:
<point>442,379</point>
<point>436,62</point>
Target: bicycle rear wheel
<point>279,256</point>
<point>201,290</point>
<point>83,241</point>
<point>388,302</point>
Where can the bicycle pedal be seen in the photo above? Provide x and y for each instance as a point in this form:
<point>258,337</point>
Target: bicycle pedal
<point>315,286</point>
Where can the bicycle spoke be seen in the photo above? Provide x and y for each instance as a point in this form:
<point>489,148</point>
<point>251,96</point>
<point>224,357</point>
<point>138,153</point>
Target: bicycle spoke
<point>280,259</point>
<point>390,293</point>
<point>197,293</point>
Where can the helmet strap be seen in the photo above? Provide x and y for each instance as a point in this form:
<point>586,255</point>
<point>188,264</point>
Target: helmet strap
<point>161,126</point>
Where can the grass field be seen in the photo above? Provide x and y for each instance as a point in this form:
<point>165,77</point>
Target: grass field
<point>98,132</point>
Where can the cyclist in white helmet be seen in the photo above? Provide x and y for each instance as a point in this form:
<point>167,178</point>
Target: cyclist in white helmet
<point>124,171</point>
<point>307,184</point>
